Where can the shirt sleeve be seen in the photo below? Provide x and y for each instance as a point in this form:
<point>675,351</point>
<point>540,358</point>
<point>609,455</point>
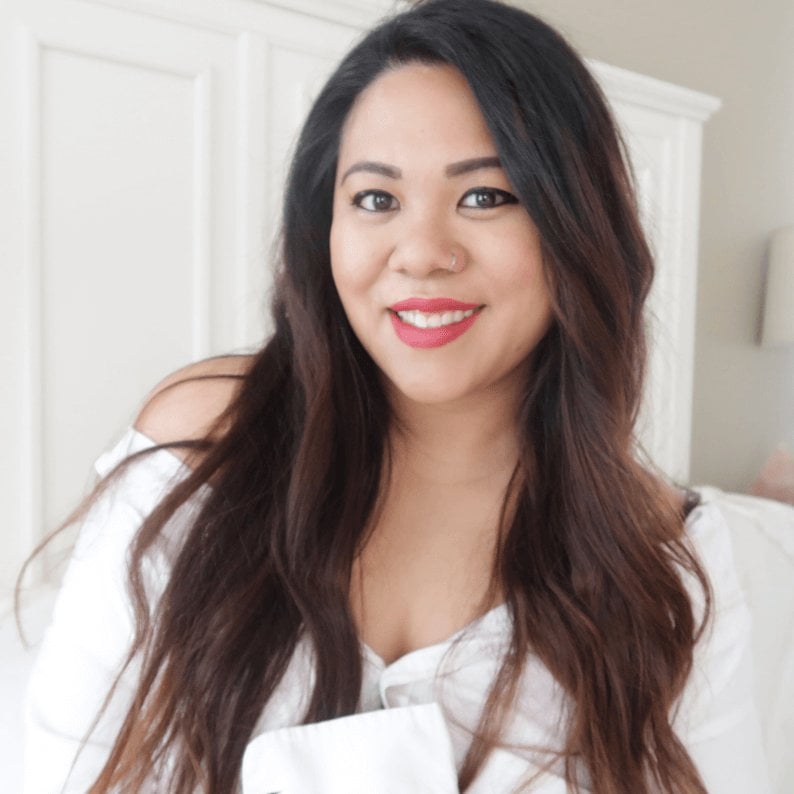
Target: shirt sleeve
<point>717,718</point>
<point>90,633</point>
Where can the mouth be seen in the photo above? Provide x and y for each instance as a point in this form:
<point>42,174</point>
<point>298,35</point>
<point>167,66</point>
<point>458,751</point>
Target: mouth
<point>419,319</point>
<point>427,323</point>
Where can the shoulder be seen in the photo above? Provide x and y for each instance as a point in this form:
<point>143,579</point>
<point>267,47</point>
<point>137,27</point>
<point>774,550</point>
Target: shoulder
<point>709,536</point>
<point>189,404</point>
<point>675,499</point>
<point>708,530</point>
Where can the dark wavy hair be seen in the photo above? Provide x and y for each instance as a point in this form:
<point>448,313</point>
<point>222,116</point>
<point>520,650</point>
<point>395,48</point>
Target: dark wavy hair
<point>590,559</point>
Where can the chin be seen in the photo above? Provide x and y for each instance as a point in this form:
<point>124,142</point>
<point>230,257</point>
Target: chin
<point>424,393</point>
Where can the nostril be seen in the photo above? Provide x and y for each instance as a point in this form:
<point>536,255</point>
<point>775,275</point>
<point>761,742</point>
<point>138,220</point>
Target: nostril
<point>415,258</point>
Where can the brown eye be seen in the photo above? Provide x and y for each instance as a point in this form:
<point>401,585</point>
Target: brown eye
<point>485,198</point>
<point>375,201</point>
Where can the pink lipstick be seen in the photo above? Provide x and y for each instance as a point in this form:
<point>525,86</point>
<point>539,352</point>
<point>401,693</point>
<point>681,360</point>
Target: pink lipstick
<point>432,322</point>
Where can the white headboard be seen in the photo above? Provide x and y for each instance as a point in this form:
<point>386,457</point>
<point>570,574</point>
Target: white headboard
<point>662,125</point>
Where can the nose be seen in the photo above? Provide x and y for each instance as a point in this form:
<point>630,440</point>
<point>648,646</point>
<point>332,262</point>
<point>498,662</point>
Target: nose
<point>426,247</point>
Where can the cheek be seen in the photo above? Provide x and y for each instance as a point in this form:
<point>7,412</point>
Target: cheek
<point>355,272</point>
<point>343,262</point>
<point>353,258</point>
<point>523,284</point>
<point>519,259</point>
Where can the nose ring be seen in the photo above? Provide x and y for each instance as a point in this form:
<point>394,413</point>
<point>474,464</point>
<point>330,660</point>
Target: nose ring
<point>453,265</point>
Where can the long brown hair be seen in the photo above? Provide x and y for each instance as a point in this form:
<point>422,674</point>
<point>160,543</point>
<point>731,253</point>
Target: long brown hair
<point>591,556</point>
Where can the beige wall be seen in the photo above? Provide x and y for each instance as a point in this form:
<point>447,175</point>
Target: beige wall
<point>744,54</point>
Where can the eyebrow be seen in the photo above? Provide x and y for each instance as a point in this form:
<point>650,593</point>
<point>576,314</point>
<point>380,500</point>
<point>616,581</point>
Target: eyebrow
<point>372,167</point>
<point>452,170</point>
<point>475,164</point>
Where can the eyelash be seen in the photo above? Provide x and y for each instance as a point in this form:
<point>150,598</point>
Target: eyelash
<point>501,197</point>
<point>361,196</point>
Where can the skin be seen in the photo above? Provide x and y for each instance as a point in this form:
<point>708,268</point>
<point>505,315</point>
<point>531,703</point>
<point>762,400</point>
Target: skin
<point>426,568</point>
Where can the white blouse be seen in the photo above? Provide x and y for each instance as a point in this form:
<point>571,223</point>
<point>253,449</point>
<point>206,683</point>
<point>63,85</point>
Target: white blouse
<point>416,714</point>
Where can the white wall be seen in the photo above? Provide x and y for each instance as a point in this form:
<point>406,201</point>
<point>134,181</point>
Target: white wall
<point>744,54</point>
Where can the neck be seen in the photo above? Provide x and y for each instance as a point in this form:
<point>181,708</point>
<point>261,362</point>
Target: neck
<point>459,443</point>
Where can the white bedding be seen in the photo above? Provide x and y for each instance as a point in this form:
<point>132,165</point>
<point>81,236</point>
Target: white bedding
<point>763,543</point>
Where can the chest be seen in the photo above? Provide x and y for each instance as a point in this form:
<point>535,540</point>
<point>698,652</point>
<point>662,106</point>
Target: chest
<point>425,571</point>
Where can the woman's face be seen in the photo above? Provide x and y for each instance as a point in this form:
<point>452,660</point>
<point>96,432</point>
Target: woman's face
<point>418,183</point>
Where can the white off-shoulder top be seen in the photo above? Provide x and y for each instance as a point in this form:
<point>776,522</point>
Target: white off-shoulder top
<point>416,714</point>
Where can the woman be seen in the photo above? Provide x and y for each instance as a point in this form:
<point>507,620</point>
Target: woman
<point>408,546</point>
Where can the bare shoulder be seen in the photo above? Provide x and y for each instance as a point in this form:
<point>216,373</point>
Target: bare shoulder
<point>188,403</point>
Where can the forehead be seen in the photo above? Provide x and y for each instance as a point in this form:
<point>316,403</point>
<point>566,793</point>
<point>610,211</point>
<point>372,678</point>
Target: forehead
<point>416,111</point>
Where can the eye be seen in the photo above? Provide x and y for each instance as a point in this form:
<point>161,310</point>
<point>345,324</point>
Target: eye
<point>375,201</point>
<point>485,198</point>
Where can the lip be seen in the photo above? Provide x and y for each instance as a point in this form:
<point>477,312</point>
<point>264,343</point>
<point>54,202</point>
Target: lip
<point>433,305</point>
<point>424,338</point>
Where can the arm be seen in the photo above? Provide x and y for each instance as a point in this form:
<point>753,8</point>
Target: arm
<point>92,625</point>
<point>90,632</point>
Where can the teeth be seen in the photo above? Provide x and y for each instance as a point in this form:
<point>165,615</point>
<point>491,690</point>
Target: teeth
<point>423,320</point>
